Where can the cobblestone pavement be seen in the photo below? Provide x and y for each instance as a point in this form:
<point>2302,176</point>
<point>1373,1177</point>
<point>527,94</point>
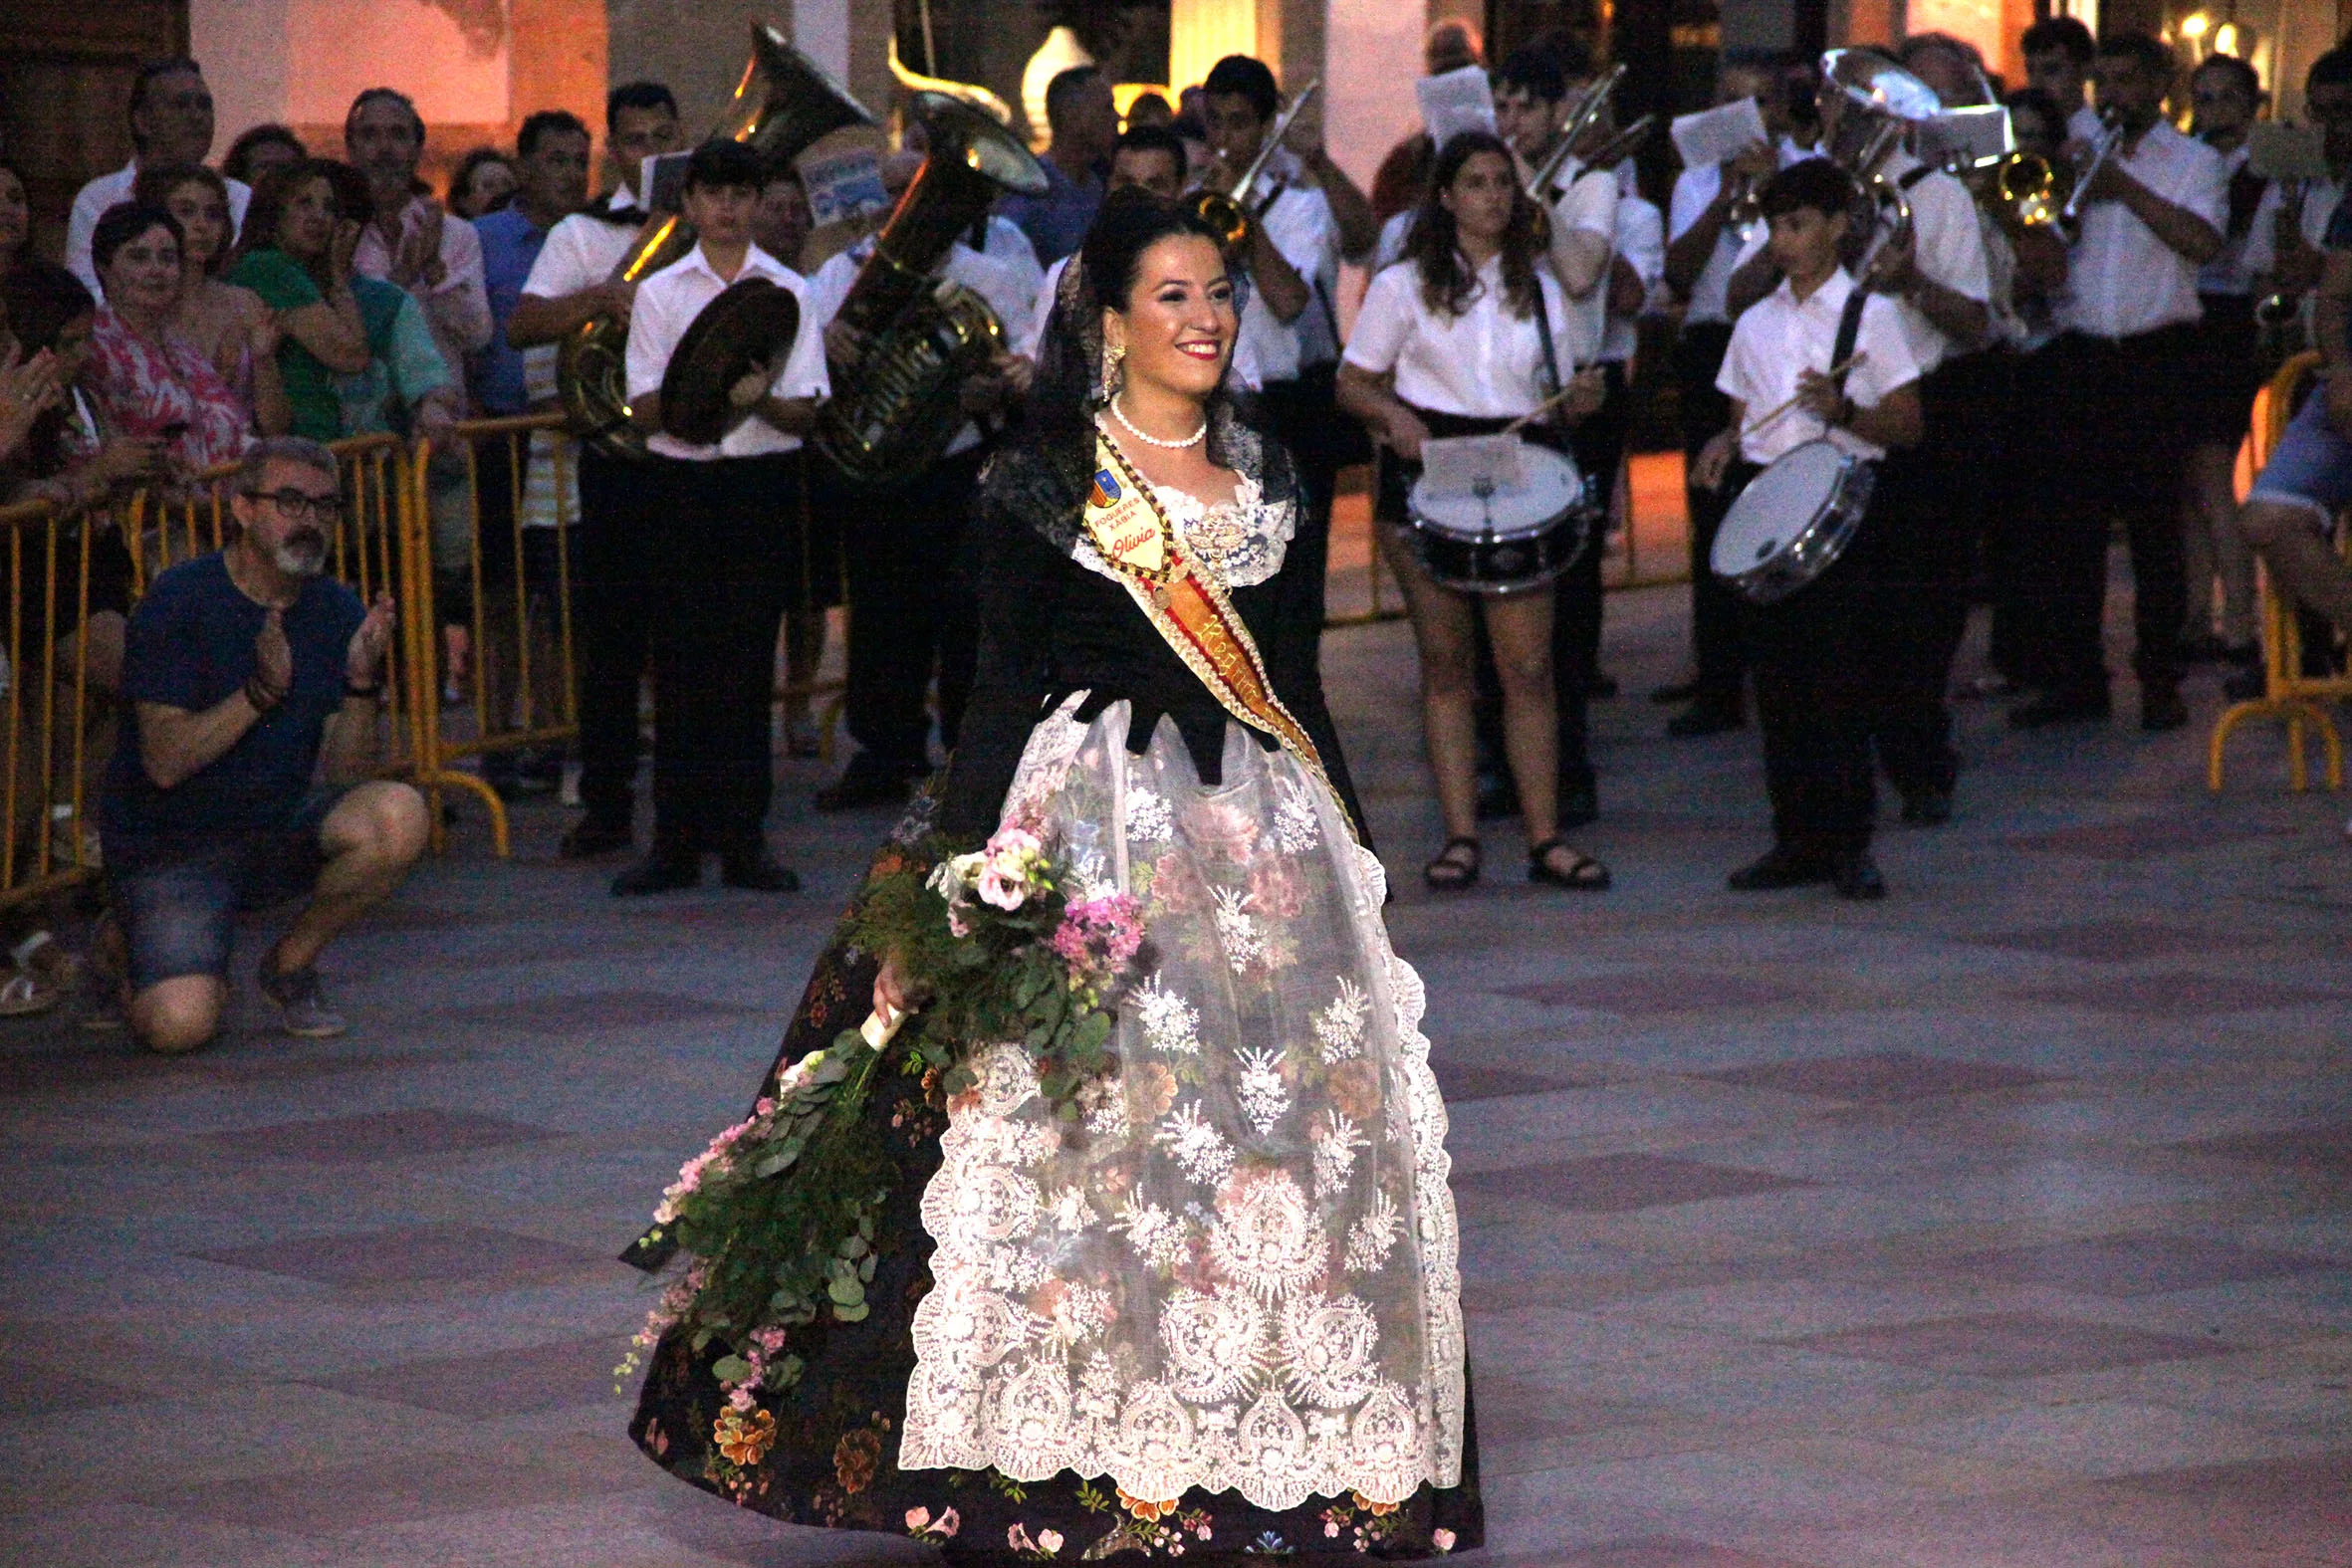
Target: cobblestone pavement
<point>2004,1222</point>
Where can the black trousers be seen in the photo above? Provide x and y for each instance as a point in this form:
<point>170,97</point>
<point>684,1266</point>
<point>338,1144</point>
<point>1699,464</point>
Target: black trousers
<point>1815,657</point>
<point>2015,483</point>
<point>2119,454</point>
<point>910,607</point>
<point>1930,522</point>
<point>1308,424</point>
<point>612,608</point>
<point>1716,644</point>
<point>717,544</point>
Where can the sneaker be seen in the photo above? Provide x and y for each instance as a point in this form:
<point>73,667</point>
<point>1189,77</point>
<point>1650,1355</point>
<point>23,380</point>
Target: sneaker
<point>302,1006</point>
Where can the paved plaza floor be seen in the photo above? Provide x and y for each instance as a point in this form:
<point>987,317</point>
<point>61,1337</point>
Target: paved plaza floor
<point>2006,1224</point>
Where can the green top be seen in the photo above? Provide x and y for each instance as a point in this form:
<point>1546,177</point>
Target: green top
<point>284,285</point>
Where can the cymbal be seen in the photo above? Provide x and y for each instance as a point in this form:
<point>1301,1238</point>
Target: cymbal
<point>753,323</point>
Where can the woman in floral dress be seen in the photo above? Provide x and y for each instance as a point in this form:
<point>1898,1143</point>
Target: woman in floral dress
<point>1215,1308</point>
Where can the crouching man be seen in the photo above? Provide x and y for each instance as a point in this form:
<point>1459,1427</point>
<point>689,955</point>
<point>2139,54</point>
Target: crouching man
<point>244,672</point>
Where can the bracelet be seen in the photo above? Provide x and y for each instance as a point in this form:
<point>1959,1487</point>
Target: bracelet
<point>260,696</point>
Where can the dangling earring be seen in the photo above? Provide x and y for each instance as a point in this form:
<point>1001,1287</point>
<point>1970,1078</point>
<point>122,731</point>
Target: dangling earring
<point>1112,353</point>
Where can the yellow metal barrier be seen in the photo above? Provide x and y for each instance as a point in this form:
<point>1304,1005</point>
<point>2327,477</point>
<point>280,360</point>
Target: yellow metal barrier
<point>52,753</point>
<point>2287,693</point>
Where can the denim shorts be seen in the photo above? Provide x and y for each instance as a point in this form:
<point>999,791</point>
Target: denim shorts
<point>179,899</point>
<point>2313,466</point>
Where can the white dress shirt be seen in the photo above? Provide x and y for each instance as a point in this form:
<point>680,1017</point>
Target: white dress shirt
<point>1389,249</point>
<point>666,306</point>
<point>2227,272</point>
<point>1485,363</point>
<point>108,190</point>
<point>1694,190</point>
<point>1781,335</point>
<point>2261,257</point>
<point>457,308</point>
<point>1588,206</point>
<point>2122,280</point>
<point>580,252</point>
<point>1007,281</point>
<point>1947,245</point>
<point>1302,228</point>
<point>1641,241</point>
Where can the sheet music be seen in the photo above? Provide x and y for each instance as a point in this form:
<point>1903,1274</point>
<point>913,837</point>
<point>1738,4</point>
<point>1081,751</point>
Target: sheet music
<point>1456,102</point>
<point>1713,135</point>
<point>1483,465</point>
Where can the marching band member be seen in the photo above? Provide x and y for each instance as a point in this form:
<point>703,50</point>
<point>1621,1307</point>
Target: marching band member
<point>1465,336</point>
<point>1817,654</point>
<point>1936,273</point>
<point>718,595</point>
<point>2152,214</point>
<point>1703,248</point>
<point>571,284</point>
<point>1635,272</point>
<point>2060,52</point>
<point>1289,323</point>
<point>910,611</point>
<point>2226,95</point>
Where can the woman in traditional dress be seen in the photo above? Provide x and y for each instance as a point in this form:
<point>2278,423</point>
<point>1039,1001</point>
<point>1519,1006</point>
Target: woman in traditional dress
<point>1220,1311</point>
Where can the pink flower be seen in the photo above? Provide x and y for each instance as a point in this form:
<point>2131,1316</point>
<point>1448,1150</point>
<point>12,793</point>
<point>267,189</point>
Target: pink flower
<point>741,1399</point>
<point>1018,1539</point>
<point>1442,1538</point>
<point>1330,1530</point>
<point>1002,889</point>
<point>1050,1540</point>
<point>948,1524</point>
<point>917,1518</point>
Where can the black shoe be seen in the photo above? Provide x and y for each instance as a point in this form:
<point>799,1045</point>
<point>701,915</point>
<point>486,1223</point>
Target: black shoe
<point>1497,797</point>
<point>755,871</point>
<point>2248,684</point>
<point>1602,687</point>
<point>1674,695</point>
<point>1927,807</point>
<point>2161,709</point>
<point>2061,706</point>
<point>1855,876</point>
<point>864,783</point>
<point>1704,719</point>
<point>664,871</point>
<point>1579,804</point>
<point>594,836</point>
<point>1780,867</point>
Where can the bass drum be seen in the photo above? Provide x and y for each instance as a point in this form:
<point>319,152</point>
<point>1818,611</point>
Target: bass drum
<point>1513,539</point>
<point>1791,522</point>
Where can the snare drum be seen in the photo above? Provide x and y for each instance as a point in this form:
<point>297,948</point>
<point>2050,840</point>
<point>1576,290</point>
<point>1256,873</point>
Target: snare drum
<point>1791,522</point>
<point>1510,540</point>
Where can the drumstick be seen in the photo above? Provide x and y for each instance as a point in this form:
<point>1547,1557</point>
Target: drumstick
<point>1538,411</point>
<point>1774,416</point>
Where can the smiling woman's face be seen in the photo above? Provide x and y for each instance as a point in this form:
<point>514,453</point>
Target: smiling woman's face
<point>1179,324</point>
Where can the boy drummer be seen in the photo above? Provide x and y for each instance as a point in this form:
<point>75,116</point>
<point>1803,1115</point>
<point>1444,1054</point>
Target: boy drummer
<point>1815,359</point>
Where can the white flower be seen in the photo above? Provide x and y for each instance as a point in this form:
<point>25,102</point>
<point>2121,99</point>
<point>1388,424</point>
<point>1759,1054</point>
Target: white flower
<point>1106,1104</point>
<point>1340,1026</point>
<point>1070,1211</point>
<point>1195,1144</point>
<point>1148,818</point>
<point>955,875</point>
<point>1156,1235</point>
<point>1296,826</point>
<point>1238,929</point>
<point>1335,1140</point>
<point>1370,1238</point>
<point>1172,1022</point>
<point>1264,1099</point>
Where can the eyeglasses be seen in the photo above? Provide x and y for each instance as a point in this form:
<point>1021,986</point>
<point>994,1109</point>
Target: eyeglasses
<point>298,503</point>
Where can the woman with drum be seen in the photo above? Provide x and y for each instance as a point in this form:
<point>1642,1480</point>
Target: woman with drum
<point>1469,335</point>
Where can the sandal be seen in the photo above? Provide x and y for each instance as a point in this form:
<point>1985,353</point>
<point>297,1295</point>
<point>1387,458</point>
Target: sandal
<point>1586,875</point>
<point>1450,873</point>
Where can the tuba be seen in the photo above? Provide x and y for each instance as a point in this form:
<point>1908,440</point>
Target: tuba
<point>1880,104</point>
<point>785,104</point>
<point>1227,211</point>
<point>893,409</point>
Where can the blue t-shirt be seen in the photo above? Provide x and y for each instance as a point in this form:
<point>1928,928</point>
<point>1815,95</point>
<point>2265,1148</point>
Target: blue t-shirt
<point>1057,220</point>
<point>190,644</point>
<point>510,244</point>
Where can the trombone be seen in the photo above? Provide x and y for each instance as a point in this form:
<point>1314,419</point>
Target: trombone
<point>1227,211</point>
<point>2109,139</point>
<point>1589,106</point>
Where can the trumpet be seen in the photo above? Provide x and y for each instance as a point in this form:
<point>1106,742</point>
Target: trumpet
<point>1589,106</point>
<point>1227,211</point>
<point>2103,147</point>
<point>2280,327</point>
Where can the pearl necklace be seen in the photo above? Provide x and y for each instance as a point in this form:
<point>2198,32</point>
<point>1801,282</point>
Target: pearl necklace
<point>1193,439</point>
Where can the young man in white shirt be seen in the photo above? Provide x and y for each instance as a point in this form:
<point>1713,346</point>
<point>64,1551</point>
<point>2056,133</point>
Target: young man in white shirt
<point>1819,655</point>
<point>910,605</point>
<point>571,284</point>
<point>2059,53</point>
<point>1703,248</point>
<point>1289,323</point>
<point>170,125</point>
<point>2152,215</point>
<point>716,545</point>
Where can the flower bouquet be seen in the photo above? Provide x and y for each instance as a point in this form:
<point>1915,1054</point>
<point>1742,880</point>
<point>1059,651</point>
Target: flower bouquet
<point>778,1214</point>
